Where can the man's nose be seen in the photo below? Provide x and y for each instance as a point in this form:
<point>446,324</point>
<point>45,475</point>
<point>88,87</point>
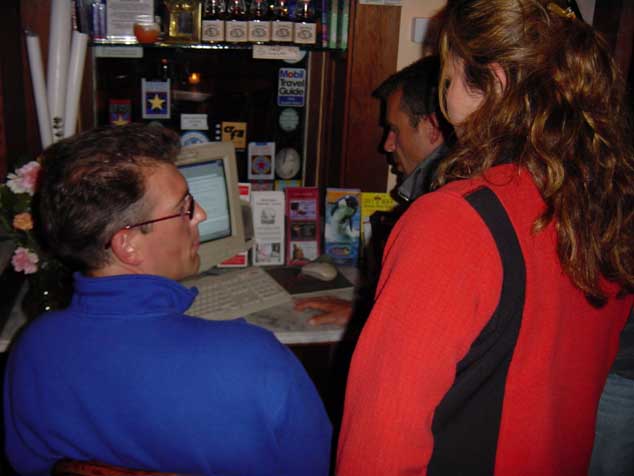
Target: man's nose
<point>390,142</point>
<point>199,214</point>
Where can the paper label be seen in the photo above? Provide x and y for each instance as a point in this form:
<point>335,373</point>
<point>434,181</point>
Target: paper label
<point>277,52</point>
<point>213,31</point>
<point>236,31</point>
<point>305,33</point>
<point>194,122</point>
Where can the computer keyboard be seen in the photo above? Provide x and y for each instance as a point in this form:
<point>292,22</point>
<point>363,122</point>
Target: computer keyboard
<point>235,293</point>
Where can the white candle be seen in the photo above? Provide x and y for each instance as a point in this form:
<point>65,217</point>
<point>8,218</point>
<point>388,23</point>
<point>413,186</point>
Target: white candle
<point>58,51</point>
<point>39,88</point>
<point>75,75</point>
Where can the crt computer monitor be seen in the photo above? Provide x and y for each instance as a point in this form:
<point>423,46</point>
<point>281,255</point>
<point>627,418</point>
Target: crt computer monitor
<point>212,176</point>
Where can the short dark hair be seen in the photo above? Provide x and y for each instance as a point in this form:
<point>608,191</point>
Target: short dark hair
<point>419,83</point>
<point>92,185</point>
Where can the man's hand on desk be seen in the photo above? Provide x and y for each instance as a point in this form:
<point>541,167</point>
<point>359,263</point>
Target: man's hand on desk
<point>335,310</point>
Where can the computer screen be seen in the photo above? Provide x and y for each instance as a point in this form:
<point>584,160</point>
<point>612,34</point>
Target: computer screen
<point>211,174</point>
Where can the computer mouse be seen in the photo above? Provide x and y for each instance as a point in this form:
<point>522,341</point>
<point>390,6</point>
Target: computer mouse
<point>320,270</point>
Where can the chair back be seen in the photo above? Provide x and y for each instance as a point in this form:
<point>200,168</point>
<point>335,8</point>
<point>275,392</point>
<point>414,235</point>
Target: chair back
<point>69,467</point>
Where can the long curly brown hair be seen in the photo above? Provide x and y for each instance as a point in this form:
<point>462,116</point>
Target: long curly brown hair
<point>561,115</point>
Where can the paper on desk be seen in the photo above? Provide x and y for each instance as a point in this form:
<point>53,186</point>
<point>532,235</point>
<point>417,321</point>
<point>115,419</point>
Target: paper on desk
<point>291,326</point>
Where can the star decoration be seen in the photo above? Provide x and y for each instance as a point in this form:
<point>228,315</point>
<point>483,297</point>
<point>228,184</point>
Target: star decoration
<point>156,102</point>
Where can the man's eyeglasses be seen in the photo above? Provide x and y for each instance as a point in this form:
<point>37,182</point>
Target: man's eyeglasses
<point>187,210</point>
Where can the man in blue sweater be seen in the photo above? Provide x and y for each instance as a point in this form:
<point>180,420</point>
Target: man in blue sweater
<point>123,376</point>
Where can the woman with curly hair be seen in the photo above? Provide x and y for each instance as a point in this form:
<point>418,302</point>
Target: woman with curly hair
<point>503,292</point>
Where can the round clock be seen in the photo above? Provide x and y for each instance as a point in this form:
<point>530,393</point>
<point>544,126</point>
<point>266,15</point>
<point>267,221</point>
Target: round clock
<point>287,163</point>
<point>289,119</point>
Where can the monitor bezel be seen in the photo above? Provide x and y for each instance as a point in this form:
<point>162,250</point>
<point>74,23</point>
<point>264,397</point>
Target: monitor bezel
<point>214,252</point>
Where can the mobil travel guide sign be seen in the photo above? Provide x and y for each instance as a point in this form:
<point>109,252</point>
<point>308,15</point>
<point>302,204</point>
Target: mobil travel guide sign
<point>291,87</point>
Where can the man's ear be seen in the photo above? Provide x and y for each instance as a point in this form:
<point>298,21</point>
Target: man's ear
<point>429,126</point>
<point>125,247</point>
<point>500,74</point>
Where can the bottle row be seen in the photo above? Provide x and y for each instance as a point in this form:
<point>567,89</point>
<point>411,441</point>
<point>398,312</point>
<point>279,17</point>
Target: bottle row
<point>206,21</point>
<point>263,22</point>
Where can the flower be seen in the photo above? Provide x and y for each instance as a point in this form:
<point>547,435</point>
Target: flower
<point>24,260</point>
<point>16,219</point>
<point>23,221</point>
<point>24,180</point>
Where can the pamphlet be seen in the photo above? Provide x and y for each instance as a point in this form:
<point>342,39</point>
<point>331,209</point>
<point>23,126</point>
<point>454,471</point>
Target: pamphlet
<point>303,230</point>
<point>268,225</point>
<point>241,259</point>
<point>342,219</point>
<point>373,202</point>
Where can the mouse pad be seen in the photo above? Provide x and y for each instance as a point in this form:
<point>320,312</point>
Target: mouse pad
<point>295,283</point>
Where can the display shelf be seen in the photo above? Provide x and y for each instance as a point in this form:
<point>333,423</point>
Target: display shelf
<point>208,46</point>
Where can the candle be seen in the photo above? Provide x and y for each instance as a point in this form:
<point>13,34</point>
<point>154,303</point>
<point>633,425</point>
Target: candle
<point>39,88</point>
<point>58,50</point>
<point>75,75</point>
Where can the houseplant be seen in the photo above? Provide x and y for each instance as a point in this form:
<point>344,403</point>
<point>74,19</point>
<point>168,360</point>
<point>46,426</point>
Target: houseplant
<point>48,279</point>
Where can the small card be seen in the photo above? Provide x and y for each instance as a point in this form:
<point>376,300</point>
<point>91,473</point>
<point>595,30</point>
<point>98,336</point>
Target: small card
<point>235,132</point>
<point>156,99</point>
<point>277,52</point>
<point>261,160</point>
<point>121,15</point>
<point>194,122</point>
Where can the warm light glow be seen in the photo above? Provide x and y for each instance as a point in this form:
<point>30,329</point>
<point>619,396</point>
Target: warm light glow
<point>194,78</point>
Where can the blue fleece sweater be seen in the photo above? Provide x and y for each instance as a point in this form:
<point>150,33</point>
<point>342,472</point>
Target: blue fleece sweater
<point>124,377</point>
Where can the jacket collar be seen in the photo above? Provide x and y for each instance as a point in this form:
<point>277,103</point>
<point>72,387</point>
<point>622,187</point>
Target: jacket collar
<point>130,295</point>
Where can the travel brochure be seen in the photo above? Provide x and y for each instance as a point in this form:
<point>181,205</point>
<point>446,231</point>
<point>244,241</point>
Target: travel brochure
<point>267,207</point>
<point>288,225</point>
<point>302,225</point>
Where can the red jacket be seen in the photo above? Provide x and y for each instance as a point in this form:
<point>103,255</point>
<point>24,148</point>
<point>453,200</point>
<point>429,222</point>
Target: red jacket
<point>439,286</point>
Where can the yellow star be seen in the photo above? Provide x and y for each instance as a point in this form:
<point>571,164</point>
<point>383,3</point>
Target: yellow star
<point>120,121</point>
<point>156,102</point>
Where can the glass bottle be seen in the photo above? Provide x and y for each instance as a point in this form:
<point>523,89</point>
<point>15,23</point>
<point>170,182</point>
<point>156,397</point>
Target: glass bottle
<point>305,24</point>
<point>236,26</point>
<point>183,20</point>
<point>259,22</point>
<point>213,23</point>
<point>281,26</point>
